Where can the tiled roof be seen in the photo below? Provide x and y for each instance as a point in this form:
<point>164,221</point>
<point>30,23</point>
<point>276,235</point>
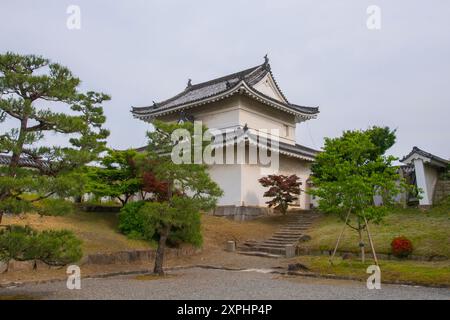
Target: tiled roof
<point>243,134</point>
<point>230,84</point>
<point>299,149</point>
<point>24,162</point>
<point>426,155</point>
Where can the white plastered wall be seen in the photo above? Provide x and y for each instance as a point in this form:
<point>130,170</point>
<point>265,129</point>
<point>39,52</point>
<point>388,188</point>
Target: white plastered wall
<point>258,116</point>
<point>240,182</point>
<point>431,177</point>
<point>252,191</point>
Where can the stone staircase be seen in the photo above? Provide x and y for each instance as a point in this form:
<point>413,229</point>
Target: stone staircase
<point>288,235</point>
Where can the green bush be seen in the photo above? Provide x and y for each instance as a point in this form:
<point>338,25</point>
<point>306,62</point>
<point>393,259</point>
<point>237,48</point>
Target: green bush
<point>16,242</point>
<point>139,220</point>
<point>15,206</point>
<point>58,247</point>
<point>54,207</point>
<point>131,221</point>
<point>53,247</point>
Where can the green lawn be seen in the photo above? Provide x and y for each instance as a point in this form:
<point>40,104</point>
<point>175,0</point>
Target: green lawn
<point>414,272</point>
<point>429,232</point>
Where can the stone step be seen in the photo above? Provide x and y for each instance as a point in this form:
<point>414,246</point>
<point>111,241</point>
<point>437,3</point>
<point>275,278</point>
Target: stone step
<point>261,254</point>
<point>278,244</point>
<point>284,238</point>
<point>293,229</point>
<point>288,234</point>
<point>285,241</point>
<point>292,234</point>
<point>300,223</point>
<point>270,249</point>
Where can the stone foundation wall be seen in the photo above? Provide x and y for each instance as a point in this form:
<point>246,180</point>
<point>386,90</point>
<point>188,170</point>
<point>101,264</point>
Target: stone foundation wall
<point>441,190</point>
<point>133,256</point>
<point>241,213</point>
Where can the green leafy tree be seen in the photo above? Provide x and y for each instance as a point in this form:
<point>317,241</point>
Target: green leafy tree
<point>351,171</point>
<point>117,176</point>
<point>282,189</point>
<point>39,98</point>
<point>189,186</point>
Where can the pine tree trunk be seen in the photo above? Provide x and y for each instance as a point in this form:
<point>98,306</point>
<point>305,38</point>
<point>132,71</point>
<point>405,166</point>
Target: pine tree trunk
<point>159,260</point>
<point>15,157</point>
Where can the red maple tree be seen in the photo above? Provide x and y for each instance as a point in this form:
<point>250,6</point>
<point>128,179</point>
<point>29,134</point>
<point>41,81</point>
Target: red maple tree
<point>282,189</point>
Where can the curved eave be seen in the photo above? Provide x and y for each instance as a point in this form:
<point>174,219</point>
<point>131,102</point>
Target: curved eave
<point>251,139</point>
<point>241,87</point>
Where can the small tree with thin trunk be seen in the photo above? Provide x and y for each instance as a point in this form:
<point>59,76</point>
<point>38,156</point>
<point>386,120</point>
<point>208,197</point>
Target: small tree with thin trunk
<point>282,189</point>
<point>117,176</point>
<point>189,188</point>
<point>350,172</point>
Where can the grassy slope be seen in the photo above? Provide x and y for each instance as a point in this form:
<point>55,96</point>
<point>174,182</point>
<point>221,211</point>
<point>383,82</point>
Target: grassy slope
<point>416,272</point>
<point>97,230</point>
<point>429,232</point>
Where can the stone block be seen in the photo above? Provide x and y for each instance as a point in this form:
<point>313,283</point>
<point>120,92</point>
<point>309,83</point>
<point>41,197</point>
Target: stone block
<point>290,251</point>
<point>15,265</point>
<point>231,246</point>
<point>297,267</point>
<point>347,256</point>
<point>41,265</point>
<point>3,266</point>
<point>304,238</point>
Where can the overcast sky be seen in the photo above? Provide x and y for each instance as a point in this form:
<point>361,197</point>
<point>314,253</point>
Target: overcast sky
<point>321,52</point>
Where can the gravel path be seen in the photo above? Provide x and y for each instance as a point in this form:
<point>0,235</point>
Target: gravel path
<point>199,283</point>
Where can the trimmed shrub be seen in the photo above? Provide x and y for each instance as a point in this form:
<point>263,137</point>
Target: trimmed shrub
<point>16,242</point>
<point>57,247</point>
<point>401,247</point>
<point>53,247</point>
<point>54,207</point>
<point>131,221</point>
<point>139,220</point>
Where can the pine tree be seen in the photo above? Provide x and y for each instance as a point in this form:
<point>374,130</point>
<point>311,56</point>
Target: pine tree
<point>189,186</point>
<point>39,98</point>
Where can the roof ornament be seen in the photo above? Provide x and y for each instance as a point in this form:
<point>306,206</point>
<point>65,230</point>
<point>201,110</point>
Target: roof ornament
<point>266,64</point>
<point>189,83</point>
<point>227,84</point>
<point>154,104</point>
<point>184,117</point>
<point>245,127</point>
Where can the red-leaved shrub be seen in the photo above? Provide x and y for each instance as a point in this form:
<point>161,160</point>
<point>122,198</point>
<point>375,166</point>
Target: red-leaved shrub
<point>401,247</point>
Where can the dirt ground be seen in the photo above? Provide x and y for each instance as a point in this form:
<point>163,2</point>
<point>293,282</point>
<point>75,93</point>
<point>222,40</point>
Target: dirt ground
<point>99,234</point>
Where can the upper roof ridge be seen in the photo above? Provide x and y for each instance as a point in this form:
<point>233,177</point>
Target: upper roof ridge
<point>222,87</point>
<point>238,75</point>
